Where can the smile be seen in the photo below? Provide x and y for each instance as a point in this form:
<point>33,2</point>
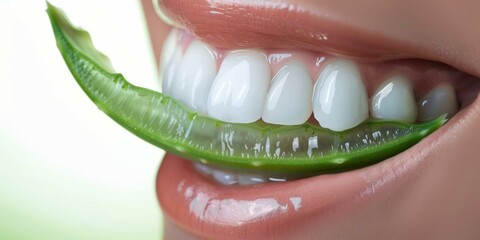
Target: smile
<point>312,129</point>
<point>276,88</point>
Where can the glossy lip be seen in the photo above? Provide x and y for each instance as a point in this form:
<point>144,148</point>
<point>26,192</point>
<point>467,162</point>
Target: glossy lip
<point>234,24</point>
<point>321,203</point>
<point>339,28</point>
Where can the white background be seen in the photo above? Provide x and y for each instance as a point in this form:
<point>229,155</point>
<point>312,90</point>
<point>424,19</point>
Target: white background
<point>67,171</point>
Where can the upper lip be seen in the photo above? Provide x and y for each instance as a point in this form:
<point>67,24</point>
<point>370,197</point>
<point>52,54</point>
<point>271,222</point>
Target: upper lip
<point>338,29</point>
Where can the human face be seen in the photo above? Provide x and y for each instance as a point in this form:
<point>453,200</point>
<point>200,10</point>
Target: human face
<point>428,191</point>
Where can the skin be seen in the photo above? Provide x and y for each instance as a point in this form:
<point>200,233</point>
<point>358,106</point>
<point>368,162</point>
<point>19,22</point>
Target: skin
<point>439,199</point>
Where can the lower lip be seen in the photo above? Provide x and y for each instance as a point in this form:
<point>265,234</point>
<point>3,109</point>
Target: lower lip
<point>205,208</point>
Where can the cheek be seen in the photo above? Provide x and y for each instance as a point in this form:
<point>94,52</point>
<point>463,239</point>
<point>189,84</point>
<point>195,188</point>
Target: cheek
<point>449,192</point>
<point>441,198</point>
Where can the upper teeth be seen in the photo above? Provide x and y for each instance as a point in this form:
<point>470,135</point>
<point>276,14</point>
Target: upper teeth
<point>169,47</point>
<point>242,89</point>
<point>170,70</point>
<point>394,100</point>
<point>340,99</point>
<point>238,92</point>
<point>283,104</point>
<point>195,76</point>
<point>440,100</point>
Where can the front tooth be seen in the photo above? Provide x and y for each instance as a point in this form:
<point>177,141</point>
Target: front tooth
<point>438,101</point>
<point>195,76</point>
<point>225,178</point>
<point>169,46</point>
<point>394,100</point>
<point>170,71</point>
<point>238,92</point>
<point>288,100</point>
<point>339,97</point>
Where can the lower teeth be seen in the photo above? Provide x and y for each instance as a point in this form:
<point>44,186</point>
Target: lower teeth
<point>226,177</point>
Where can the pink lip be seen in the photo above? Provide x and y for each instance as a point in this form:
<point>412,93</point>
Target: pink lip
<point>233,24</point>
<point>337,27</point>
<point>326,206</point>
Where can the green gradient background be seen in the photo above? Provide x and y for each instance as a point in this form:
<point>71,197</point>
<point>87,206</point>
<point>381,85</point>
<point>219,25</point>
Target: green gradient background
<point>66,170</point>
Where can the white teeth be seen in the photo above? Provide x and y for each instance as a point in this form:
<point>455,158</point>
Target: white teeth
<point>242,90</point>
<point>339,97</point>
<point>170,72</point>
<point>250,179</point>
<point>169,47</point>
<point>289,98</point>
<point>229,178</point>
<point>394,100</point>
<point>225,178</point>
<point>195,76</point>
<point>204,169</point>
<point>438,101</point>
<point>238,92</point>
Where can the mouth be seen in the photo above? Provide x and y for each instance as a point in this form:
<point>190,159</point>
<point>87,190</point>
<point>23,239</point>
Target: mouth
<point>246,67</point>
<point>215,202</point>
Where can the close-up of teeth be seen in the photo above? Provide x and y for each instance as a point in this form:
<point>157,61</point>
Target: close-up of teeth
<point>246,89</point>
<point>247,86</point>
<point>298,119</point>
